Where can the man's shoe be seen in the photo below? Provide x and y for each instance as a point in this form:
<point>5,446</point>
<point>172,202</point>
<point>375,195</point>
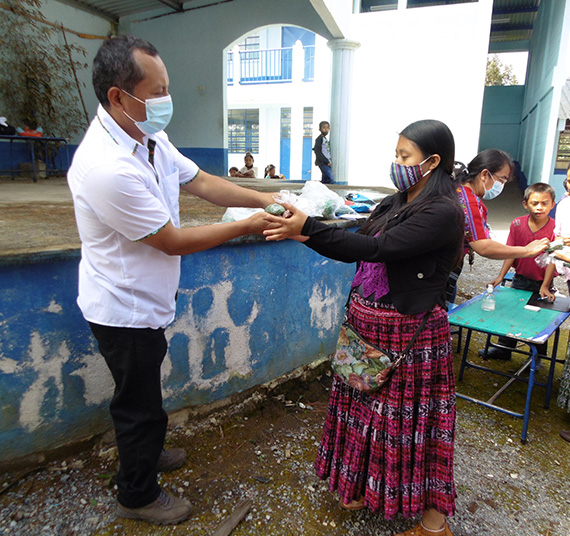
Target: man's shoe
<point>170,459</point>
<point>166,510</point>
<point>495,353</point>
<point>565,434</point>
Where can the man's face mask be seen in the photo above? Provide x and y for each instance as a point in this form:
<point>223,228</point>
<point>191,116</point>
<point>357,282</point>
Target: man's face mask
<point>158,114</point>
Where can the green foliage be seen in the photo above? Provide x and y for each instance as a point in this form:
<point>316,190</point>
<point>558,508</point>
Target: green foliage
<point>499,74</point>
<point>37,82</point>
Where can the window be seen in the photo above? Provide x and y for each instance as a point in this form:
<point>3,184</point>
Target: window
<point>308,122</point>
<point>426,3</point>
<point>563,154</point>
<point>243,131</point>
<point>285,122</point>
<point>367,6</point>
<point>377,5</point>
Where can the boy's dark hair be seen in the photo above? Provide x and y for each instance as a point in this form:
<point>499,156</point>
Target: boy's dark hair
<point>490,159</point>
<point>323,123</point>
<point>115,66</point>
<point>233,167</point>
<point>539,188</point>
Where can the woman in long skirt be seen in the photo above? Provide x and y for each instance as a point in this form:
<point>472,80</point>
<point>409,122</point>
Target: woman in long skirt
<point>392,450</point>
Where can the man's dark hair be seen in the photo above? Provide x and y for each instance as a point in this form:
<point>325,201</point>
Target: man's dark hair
<point>114,65</point>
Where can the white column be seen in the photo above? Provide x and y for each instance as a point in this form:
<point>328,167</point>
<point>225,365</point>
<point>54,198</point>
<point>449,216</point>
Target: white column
<point>296,162</point>
<point>341,96</point>
<point>237,66</point>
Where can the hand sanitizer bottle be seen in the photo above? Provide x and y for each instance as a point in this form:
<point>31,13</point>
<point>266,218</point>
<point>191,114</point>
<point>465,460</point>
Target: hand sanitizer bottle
<point>488,301</point>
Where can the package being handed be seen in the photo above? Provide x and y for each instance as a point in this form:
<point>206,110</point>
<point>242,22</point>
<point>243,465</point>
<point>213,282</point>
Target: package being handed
<point>549,256</point>
<point>315,200</point>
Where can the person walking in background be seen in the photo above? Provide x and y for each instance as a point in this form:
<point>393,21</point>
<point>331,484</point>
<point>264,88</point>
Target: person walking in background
<point>322,150</point>
<point>391,451</point>
<point>125,180</point>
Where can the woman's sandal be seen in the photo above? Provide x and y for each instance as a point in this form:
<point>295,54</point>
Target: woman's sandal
<point>353,505</point>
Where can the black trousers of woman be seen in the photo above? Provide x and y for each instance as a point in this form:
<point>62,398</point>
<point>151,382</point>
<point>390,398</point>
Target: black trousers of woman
<point>134,357</point>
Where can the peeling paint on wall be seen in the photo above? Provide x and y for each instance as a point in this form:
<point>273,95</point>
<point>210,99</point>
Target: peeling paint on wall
<point>246,314</point>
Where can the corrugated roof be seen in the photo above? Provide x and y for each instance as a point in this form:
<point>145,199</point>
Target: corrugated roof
<point>512,22</point>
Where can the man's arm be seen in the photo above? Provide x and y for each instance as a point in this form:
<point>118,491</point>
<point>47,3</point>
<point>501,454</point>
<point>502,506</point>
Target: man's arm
<point>174,241</point>
<point>225,193</point>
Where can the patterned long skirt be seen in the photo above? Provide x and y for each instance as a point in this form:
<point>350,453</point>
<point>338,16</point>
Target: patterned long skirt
<point>394,447</point>
<point>564,392</point>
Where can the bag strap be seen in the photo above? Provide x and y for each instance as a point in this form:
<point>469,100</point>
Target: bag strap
<point>415,336</point>
<point>420,328</point>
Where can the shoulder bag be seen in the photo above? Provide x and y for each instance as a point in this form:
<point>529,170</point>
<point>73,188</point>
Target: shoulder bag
<point>362,365</point>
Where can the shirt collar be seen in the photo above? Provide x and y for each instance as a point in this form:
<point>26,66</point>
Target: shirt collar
<point>117,134</point>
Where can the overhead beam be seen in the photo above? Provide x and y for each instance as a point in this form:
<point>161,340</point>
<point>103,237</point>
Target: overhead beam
<point>173,4</point>
<point>93,10</point>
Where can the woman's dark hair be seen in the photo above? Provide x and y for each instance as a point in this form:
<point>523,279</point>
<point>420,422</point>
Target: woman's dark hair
<point>493,160</point>
<point>115,66</point>
<point>430,137</point>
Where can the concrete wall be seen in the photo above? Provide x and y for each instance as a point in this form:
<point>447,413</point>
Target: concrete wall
<point>423,63</point>
<point>546,74</point>
<point>501,119</point>
<point>247,313</point>
<point>192,45</point>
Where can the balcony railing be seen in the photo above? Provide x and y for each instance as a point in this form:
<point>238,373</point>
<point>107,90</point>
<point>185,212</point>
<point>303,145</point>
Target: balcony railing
<point>269,66</point>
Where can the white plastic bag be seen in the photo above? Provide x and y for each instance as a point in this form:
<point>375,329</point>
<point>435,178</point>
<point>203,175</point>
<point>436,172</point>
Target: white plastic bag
<point>316,200</point>
<point>239,213</point>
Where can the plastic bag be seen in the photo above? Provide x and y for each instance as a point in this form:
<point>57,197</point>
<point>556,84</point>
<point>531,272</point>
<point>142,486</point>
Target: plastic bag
<point>315,200</point>
<point>239,213</point>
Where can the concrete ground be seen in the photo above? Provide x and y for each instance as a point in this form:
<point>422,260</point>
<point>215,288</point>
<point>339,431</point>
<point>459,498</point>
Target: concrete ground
<point>262,449</point>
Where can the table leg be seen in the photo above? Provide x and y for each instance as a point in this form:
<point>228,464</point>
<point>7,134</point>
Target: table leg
<point>34,162</point>
<point>464,359</point>
<point>550,380</point>
<point>526,416</point>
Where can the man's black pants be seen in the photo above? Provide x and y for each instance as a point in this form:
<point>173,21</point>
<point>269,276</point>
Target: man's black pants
<point>134,357</point>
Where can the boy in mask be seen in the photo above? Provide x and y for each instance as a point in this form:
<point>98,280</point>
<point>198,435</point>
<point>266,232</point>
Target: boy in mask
<point>125,181</point>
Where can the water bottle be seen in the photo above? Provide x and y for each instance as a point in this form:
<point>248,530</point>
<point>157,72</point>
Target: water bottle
<point>488,301</point>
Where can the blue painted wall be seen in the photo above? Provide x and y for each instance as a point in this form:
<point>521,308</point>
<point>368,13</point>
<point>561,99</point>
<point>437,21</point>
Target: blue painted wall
<point>501,119</point>
<point>247,313</point>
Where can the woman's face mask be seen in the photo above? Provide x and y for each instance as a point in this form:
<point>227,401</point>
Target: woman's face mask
<point>495,190</point>
<point>158,114</point>
<point>404,177</point>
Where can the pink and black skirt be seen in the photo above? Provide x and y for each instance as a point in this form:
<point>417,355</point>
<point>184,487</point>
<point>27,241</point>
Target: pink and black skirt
<point>394,447</point>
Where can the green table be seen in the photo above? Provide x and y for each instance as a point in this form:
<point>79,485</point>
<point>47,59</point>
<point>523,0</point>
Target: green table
<point>511,319</point>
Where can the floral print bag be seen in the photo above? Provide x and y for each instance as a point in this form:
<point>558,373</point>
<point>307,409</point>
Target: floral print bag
<point>362,365</point>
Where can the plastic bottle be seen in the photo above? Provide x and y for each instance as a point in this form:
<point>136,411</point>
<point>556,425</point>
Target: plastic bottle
<point>488,301</point>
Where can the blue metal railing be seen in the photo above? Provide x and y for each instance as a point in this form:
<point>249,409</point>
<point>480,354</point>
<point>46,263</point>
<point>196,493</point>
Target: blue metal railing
<point>269,66</point>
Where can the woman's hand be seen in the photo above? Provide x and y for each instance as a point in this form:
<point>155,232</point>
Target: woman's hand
<point>282,228</point>
<point>566,240</point>
<point>536,247</point>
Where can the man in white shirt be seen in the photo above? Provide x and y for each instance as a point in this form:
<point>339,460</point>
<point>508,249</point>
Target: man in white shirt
<point>125,180</point>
